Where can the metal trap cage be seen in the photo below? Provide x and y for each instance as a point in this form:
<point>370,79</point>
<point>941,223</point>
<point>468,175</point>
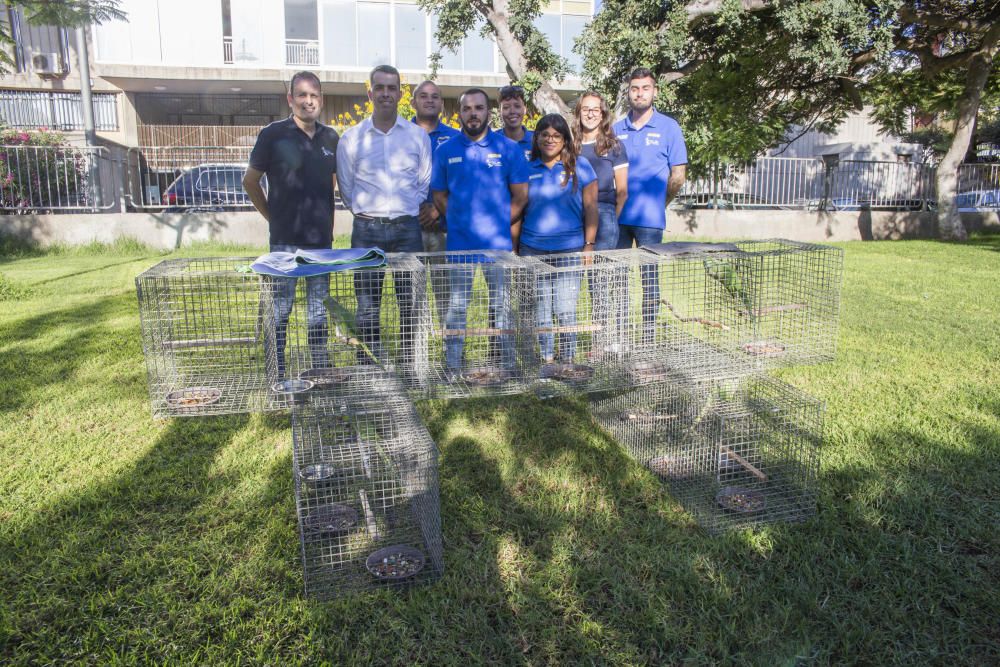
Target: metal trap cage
<point>366,491</point>
<point>344,328</point>
<point>772,303</point>
<point>734,454</point>
<point>200,321</point>
<point>477,331</point>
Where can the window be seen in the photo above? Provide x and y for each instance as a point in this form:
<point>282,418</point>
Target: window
<point>411,37</point>
<point>340,33</point>
<point>474,55</point>
<point>373,30</point>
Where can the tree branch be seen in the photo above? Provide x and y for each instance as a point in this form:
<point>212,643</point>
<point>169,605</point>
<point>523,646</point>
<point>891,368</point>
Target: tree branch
<point>699,9</point>
<point>910,14</point>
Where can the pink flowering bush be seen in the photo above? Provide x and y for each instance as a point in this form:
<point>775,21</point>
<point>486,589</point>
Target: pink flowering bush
<point>40,170</point>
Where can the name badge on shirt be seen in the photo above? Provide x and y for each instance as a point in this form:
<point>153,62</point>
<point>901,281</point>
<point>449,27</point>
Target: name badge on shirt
<point>534,176</point>
<point>622,137</point>
<point>454,160</point>
<point>493,160</point>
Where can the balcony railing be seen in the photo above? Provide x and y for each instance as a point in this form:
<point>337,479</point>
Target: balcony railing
<point>227,50</point>
<point>301,52</point>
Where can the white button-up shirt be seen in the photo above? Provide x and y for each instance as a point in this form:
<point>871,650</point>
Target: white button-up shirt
<point>384,174</point>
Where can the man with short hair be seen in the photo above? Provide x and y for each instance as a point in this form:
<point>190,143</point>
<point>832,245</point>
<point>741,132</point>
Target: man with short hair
<point>299,157</point>
<point>384,167</point>
<point>428,105</point>
<point>657,168</point>
<point>513,107</point>
<point>481,183</point>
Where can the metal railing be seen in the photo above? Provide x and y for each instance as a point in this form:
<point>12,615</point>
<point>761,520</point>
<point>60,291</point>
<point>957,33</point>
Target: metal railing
<point>766,182</point>
<point>186,178</point>
<point>56,110</point>
<point>301,52</point>
<point>227,50</point>
<point>41,179</point>
<point>197,135</point>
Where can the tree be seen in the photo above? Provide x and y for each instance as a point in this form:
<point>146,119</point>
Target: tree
<point>531,62</point>
<point>743,71</point>
<point>65,13</point>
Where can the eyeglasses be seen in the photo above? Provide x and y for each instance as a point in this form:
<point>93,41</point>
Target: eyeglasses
<point>554,138</point>
<point>590,111</point>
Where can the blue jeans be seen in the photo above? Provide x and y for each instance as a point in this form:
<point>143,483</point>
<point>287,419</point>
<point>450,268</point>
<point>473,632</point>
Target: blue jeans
<point>461,279</point>
<point>317,289</point>
<point>648,273</point>
<point>397,237</point>
<point>557,294</point>
<point>607,227</point>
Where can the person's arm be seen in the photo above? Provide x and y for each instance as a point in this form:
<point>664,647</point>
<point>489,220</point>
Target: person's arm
<point>518,200</point>
<point>345,168</point>
<point>441,201</point>
<point>678,173</point>
<point>428,216</point>
<point>333,210</point>
<point>621,189</point>
<point>425,165</point>
<point>251,184</point>
<point>590,216</point>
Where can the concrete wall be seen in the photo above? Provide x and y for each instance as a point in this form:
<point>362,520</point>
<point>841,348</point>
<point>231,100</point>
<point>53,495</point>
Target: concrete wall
<point>171,230</point>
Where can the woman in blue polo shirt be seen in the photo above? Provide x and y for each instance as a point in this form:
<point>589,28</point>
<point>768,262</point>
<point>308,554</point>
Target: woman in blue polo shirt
<point>561,217</point>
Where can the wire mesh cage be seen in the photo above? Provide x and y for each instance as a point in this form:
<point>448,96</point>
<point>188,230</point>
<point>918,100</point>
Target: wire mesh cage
<point>366,491</point>
<point>344,328</point>
<point>200,321</point>
<point>477,331</point>
<point>774,303</point>
<point>734,453</point>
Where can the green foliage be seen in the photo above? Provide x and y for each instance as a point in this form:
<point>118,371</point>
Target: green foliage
<point>38,170</point>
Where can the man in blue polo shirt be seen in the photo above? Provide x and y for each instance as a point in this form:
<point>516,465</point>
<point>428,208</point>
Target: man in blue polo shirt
<point>657,167</point>
<point>299,157</point>
<point>428,105</point>
<point>513,107</point>
<point>480,183</point>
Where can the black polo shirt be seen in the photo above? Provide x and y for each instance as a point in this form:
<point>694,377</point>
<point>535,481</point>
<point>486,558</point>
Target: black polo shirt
<point>299,182</point>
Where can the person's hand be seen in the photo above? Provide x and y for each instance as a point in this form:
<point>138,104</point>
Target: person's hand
<point>428,216</point>
<point>588,255</point>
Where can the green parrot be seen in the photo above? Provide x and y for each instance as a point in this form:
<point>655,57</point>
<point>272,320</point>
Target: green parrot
<point>729,277</point>
<point>343,327</point>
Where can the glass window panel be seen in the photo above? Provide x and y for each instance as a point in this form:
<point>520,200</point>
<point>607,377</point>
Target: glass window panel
<point>580,7</point>
<point>411,49</point>
<point>300,19</point>
<point>339,36</point>
<point>478,54</point>
<point>572,28</point>
<point>450,60</point>
<point>373,24</point>
<point>548,25</point>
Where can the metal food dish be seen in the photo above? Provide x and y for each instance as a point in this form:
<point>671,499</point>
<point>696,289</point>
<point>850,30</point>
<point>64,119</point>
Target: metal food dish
<point>567,372</point>
<point>322,377</point>
<point>333,518</point>
<point>317,473</point>
<point>193,397</point>
<point>664,466</point>
<point>291,386</point>
<point>763,348</point>
<point>740,499</point>
<point>395,562</point>
<point>485,376</point>
<point>645,371</point>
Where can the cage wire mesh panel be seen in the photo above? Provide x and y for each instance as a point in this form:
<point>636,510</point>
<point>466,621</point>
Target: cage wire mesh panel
<point>345,328</point>
<point>202,337</point>
<point>477,332</point>
<point>366,491</point>
<point>734,453</point>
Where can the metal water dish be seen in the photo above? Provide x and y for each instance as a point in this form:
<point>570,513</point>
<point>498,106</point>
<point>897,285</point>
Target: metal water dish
<point>330,519</point>
<point>395,563</point>
<point>193,397</point>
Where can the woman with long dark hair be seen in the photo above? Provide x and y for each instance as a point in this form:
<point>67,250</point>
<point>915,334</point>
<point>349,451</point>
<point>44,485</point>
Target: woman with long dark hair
<point>596,141</point>
<point>561,217</point>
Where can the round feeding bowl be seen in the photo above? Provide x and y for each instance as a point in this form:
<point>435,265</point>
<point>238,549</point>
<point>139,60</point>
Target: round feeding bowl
<point>324,377</point>
<point>190,398</point>
<point>320,473</point>
<point>330,519</point>
<point>570,373</point>
<point>649,371</point>
<point>740,499</point>
<point>291,386</point>
<point>484,377</point>
<point>395,563</point>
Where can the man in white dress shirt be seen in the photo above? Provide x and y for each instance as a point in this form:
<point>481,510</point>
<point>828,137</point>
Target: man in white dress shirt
<point>384,170</point>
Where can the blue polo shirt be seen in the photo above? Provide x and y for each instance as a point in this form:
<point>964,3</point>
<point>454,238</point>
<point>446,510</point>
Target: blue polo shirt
<point>525,142</point>
<point>477,176</point>
<point>438,136</point>
<point>652,150</point>
<point>553,219</point>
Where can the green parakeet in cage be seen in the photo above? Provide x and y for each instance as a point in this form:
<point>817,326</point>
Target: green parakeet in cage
<point>728,275</point>
<point>343,327</point>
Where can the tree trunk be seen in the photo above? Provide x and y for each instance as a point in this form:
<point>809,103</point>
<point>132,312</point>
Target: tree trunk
<point>949,221</point>
<point>546,99</point>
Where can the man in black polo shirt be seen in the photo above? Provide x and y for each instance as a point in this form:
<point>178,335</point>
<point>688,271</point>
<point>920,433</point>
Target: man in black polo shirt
<point>299,157</point>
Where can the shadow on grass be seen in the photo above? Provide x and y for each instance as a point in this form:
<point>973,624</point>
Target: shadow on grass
<point>143,561</point>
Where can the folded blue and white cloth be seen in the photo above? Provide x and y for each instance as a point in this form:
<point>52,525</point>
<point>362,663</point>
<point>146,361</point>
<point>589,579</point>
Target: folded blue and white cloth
<point>304,263</point>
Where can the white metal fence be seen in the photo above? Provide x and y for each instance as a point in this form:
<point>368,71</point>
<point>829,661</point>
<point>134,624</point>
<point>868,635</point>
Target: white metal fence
<point>301,52</point>
<point>176,178</point>
<point>56,110</point>
<point>37,179</point>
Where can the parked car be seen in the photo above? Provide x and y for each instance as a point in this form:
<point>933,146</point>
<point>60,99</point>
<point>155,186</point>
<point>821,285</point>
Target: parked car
<point>208,187</point>
<point>973,201</point>
<point>835,204</point>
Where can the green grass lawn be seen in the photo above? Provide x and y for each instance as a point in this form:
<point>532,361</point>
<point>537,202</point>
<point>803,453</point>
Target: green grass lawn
<point>129,540</point>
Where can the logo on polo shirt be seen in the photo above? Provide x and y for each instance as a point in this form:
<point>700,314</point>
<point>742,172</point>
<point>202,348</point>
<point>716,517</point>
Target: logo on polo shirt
<point>328,153</point>
<point>622,137</point>
<point>454,160</point>
<point>493,160</point>
<point>534,176</point>
<point>442,139</point>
